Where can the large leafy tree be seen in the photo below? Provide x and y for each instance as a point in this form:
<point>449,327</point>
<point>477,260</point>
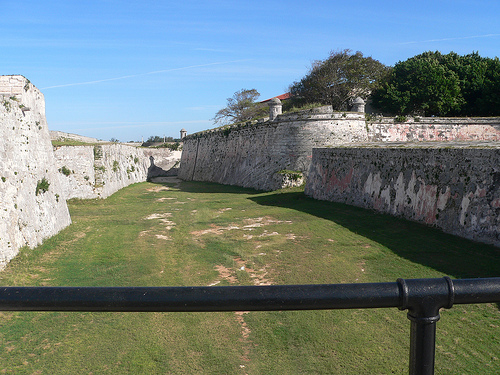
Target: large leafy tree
<point>338,79</point>
<point>242,106</point>
<point>443,85</point>
<point>420,85</point>
<point>488,103</point>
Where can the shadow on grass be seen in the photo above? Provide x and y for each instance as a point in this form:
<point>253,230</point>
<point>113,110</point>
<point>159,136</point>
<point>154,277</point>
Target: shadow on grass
<point>208,187</point>
<point>418,243</point>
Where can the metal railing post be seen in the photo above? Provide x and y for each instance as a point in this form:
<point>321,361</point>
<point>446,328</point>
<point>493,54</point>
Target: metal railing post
<point>422,346</point>
<point>423,298</point>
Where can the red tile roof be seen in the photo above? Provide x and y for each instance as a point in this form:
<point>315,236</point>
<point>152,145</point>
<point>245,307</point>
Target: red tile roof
<point>280,97</point>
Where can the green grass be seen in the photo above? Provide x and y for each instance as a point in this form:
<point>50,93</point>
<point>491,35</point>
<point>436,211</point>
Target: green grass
<point>201,234</point>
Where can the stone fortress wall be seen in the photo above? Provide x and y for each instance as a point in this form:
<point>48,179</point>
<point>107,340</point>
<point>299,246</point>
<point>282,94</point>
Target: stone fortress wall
<point>250,155</point>
<point>36,179</point>
<point>97,171</point>
<point>453,186</point>
<point>434,129</point>
<point>443,172</point>
<point>449,185</point>
<point>32,204</point>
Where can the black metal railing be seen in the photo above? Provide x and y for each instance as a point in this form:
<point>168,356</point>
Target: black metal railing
<point>423,298</point>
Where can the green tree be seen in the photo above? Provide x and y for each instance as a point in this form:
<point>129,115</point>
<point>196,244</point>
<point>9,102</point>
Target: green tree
<point>443,85</point>
<point>420,85</point>
<point>339,79</point>
<point>488,104</point>
<point>471,70</point>
<point>242,106</point>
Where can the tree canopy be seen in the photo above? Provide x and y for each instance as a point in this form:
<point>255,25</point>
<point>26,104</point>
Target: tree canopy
<point>339,79</point>
<point>241,106</point>
<point>429,84</point>
<point>442,85</point>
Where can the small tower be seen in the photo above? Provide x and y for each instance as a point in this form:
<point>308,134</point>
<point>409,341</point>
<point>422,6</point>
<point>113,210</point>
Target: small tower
<point>183,133</point>
<point>358,105</point>
<point>275,108</point>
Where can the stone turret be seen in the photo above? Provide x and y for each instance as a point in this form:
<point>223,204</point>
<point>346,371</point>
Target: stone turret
<point>275,108</point>
<point>183,133</point>
<point>358,105</point>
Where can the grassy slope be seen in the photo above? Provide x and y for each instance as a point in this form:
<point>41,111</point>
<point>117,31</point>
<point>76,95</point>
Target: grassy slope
<point>204,234</point>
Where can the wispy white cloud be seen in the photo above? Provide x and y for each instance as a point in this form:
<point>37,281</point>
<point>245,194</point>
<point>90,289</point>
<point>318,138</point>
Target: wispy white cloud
<point>455,38</point>
<point>143,74</point>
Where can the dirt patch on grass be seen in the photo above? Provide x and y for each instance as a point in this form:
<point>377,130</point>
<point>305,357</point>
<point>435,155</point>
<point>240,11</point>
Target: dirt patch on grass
<point>163,237</point>
<point>263,221</point>
<point>245,336</point>
<point>265,234</point>
<point>214,229</point>
<point>249,224</point>
<point>163,218</point>
<point>158,216</point>
<point>157,189</point>
<point>224,274</point>
<point>259,277</point>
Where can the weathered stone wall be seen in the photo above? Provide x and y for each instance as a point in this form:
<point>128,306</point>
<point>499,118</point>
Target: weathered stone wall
<point>455,189</point>
<point>34,185</point>
<point>434,129</point>
<point>56,135</point>
<point>98,171</point>
<point>250,155</point>
<point>26,159</point>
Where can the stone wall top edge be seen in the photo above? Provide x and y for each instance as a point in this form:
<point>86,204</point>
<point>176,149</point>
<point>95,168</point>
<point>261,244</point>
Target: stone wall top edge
<point>17,86</point>
<point>12,79</point>
<point>72,146</point>
<point>280,121</point>
<point>418,145</point>
<point>437,120</point>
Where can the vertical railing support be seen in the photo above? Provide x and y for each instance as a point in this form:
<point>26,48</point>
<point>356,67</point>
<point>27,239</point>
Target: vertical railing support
<point>423,299</point>
<point>422,345</point>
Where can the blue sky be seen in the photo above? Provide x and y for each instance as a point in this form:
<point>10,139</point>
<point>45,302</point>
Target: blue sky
<point>132,69</point>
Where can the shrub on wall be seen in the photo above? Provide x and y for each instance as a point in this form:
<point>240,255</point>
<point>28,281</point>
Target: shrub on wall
<point>65,171</point>
<point>42,186</point>
<point>292,175</point>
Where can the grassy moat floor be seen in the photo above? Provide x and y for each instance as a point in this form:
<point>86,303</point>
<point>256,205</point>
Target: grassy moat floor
<point>187,233</point>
